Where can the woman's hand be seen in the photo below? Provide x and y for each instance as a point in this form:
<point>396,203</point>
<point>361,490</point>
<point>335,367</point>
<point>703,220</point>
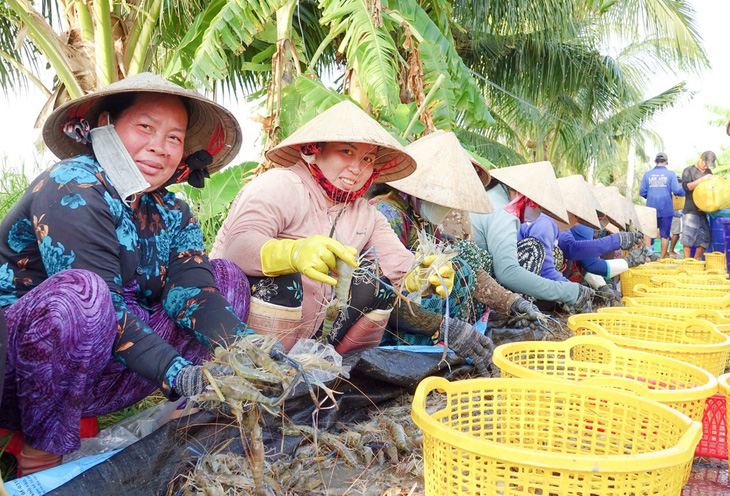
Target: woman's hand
<point>414,279</point>
<point>190,381</point>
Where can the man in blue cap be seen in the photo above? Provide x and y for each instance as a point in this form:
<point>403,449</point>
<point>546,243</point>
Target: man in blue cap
<point>657,187</point>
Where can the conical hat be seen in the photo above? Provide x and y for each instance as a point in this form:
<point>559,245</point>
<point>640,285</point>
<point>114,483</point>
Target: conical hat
<point>579,200</point>
<point>613,207</point>
<point>484,176</point>
<point>647,218</point>
<point>348,123</point>
<point>631,214</point>
<point>444,176</point>
<point>538,183</point>
<point>208,123</point>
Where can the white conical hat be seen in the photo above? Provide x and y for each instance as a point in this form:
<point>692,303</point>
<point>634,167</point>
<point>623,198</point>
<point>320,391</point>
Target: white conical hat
<point>348,123</point>
<point>631,214</point>
<point>647,219</point>
<point>613,206</point>
<point>538,183</point>
<point>444,176</point>
<point>579,200</point>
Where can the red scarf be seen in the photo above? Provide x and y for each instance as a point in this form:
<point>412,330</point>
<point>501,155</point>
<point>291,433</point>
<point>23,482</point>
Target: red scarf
<point>517,206</point>
<point>336,194</point>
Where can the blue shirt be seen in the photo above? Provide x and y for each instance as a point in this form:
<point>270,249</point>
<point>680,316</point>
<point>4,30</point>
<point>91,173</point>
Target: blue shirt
<point>657,187</point>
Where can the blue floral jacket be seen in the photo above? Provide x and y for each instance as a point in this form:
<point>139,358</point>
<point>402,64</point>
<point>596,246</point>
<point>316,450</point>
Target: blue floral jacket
<point>71,217</point>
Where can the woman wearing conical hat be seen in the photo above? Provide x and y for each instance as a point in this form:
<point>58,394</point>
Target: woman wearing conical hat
<point>581,207</point>
<point>105,284</point>
<point>519,193</point>
<point>447,180</point>
<point>288,228</point>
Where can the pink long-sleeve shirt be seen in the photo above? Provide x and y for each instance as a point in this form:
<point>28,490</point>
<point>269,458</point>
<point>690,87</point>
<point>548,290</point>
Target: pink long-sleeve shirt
<point>287,203</point>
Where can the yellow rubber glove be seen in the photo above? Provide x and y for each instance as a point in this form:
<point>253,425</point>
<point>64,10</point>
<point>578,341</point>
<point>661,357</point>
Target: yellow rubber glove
<point>313,257</point>
<point>413,281</point>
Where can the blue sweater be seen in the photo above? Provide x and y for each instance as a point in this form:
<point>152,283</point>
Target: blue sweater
<point>497,233</point>
<point>657,187</point>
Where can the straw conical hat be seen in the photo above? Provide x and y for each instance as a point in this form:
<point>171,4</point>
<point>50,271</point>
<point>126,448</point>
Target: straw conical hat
<point>579,200</point>
<point>538,183</point>
<point>444,175</point>
<point>647,220</point>
<point>484,176</point>
<point>346,122</point>
<point>204,120</point>
<point>613,207</point>
<point>631,214</point>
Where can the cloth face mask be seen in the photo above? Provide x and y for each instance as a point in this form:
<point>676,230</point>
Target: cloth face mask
<point>117,163</point>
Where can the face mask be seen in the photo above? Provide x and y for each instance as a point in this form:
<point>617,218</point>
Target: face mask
<point>532,213</point>
<point>433,213</point>
<point>117,163</point>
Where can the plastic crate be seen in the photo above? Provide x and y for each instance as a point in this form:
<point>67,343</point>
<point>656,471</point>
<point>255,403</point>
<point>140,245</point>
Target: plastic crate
<point>597,361</point>
<point>695,341</point>
<point>719,303</point>
<point>717,260</point>
<point>714,442</point>
<point>525,437</point>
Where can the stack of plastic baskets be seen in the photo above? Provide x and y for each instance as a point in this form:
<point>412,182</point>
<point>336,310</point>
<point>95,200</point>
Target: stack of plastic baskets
<point>695,341</point>
<point>528,437</point>
<point>719,422</point>
<point>597,361</point>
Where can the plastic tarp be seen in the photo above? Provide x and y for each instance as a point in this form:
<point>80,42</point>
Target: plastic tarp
<point>154,464</point>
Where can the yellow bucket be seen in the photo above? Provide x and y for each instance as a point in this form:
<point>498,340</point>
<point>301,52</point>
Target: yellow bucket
<point>695,341</point>
<point>524,437</point>
<point>599,362</point>
<point>677,202</point>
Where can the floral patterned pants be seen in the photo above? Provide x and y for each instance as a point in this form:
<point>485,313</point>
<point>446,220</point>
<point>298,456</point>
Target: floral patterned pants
<point>59,363</point>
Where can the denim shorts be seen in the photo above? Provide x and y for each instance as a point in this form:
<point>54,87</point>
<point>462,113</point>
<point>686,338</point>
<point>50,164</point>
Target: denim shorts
<point>695,230</point>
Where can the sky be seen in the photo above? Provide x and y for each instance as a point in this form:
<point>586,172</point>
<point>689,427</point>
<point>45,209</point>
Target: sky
<point>684,128</point>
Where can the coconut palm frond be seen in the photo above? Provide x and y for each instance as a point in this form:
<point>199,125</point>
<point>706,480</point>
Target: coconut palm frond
<point>225,25</point>
<point>470,103</point>
<point>368,47</point>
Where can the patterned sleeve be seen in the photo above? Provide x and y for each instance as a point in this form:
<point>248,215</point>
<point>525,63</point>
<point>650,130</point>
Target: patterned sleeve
<point>191,297</point>
<point>80,225</point>
<point>398,221</point>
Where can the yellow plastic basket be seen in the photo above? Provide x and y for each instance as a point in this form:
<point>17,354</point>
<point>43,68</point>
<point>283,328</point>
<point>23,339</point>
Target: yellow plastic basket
<point>597,361</point>
<point>695,341</point>
<point>691,290</point>
<point>716,260</point>
<point>700,303</point>
<point>721,321</point>
<point>527,437</point>
<point>642,275</point>
<point>695,279</point>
